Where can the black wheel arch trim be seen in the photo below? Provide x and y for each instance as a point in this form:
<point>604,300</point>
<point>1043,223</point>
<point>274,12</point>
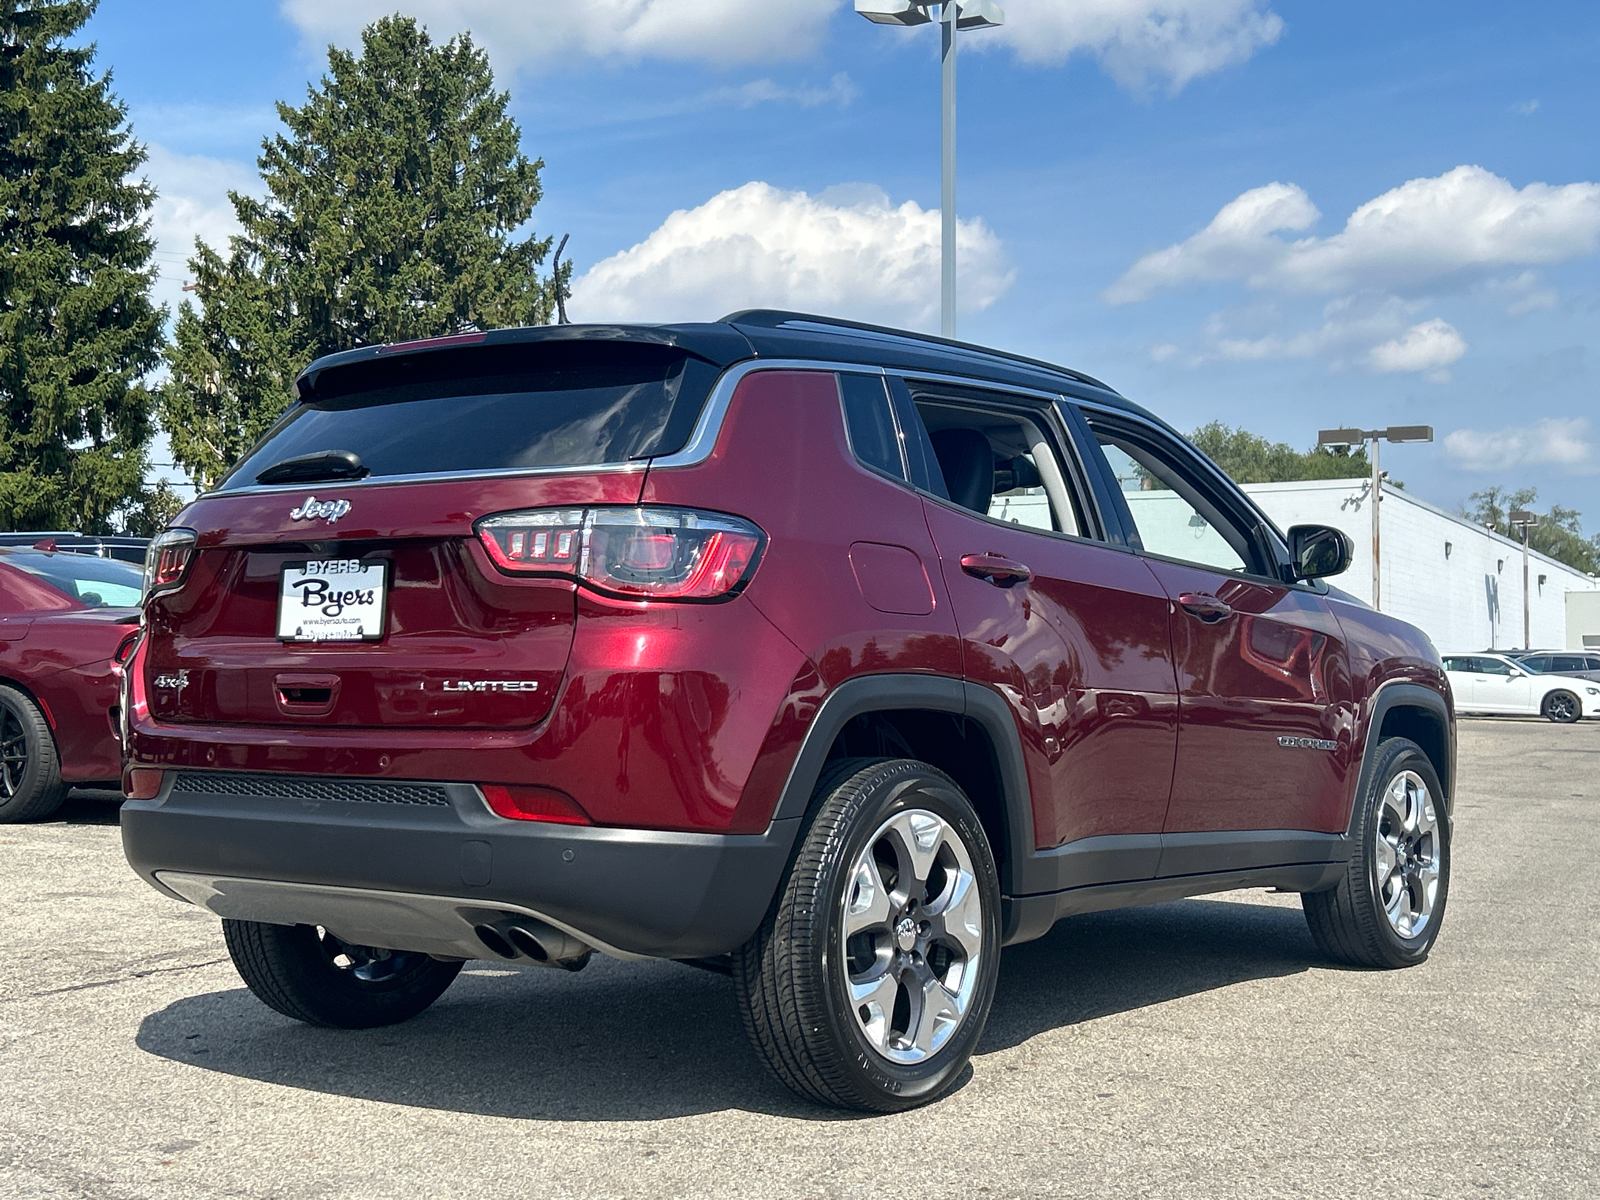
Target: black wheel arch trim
<point>1406,695</point>
<point>936,693</point>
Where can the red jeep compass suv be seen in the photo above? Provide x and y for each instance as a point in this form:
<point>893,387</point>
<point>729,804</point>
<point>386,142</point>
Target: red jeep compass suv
<point>830,656</point>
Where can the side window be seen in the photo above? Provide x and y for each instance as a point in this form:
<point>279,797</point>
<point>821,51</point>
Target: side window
<point>1173,516</point>
<point>1493,666</point>
<point>1458,664</point>
<point>871,428</point>
<point>1564,662</point>
<point>999,464</point>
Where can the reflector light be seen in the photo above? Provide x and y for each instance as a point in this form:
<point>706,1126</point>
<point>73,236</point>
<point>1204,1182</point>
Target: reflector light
<point>167,559</point>
<point>141,783</point>
<point>534,804</point>
<point>655,553</point>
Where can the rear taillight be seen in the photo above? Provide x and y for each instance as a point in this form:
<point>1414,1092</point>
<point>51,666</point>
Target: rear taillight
<point>638,553</point>
<point>166,559</point>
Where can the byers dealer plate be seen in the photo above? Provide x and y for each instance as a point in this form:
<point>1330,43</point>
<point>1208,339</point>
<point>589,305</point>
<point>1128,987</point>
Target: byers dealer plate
<point>335,600</point>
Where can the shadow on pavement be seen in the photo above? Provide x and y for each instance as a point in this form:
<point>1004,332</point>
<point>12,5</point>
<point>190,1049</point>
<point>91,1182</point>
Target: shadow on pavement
<point>649,1041</point>
<point>88,806</point>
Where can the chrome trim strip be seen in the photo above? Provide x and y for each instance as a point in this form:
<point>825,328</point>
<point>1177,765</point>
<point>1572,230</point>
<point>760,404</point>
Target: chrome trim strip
<point>706,430</point>
<point>435,477</point>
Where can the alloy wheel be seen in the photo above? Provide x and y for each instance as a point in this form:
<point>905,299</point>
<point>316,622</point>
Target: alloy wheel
<point>912,928</point>
<point>13,753</point>
<point>1407,858</point>
<point>1560,707</point>
<point>370,964</point>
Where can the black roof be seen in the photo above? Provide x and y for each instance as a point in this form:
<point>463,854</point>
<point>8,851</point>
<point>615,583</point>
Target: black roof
<point>753,333</point>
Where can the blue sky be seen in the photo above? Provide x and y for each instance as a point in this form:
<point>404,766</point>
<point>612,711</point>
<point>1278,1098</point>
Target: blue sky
<point>713,154</point>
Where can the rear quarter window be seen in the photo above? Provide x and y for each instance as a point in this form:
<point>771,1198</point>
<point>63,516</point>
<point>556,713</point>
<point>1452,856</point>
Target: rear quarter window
<point>497,408</point>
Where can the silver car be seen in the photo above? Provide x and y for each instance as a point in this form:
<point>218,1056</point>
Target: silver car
<point>1579,664</point>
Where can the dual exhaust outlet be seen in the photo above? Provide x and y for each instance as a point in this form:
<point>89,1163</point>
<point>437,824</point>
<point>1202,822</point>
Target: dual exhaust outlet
<point>527,939</point>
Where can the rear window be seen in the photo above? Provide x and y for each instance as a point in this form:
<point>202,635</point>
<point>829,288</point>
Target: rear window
<point>96,582</point>
<point>495,408</point>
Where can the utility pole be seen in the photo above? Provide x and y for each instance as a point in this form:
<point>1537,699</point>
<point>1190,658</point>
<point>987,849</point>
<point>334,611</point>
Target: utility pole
<point>1525,520</point>
<point>961,15</point>
<point>1355,437</point>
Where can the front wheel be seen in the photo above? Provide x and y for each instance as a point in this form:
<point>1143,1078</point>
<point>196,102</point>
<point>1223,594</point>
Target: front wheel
<point>306,973</point>
<point>1387,909</point>
<point>870,981</point>
<point>1562,708</point>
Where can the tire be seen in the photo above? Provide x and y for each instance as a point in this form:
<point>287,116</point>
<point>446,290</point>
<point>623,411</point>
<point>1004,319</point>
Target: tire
<point>1388,908</point>
<point>1562,707</point>
<point>304,972</point>
<point>30,769</point>
<point>922,953</point>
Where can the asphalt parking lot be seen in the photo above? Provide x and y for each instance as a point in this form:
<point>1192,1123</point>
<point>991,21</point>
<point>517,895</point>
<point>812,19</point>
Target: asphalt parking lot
<point>1196,1049</point>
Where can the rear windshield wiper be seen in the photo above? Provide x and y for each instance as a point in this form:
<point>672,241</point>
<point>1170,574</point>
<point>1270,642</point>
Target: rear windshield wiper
<point>314,468</point>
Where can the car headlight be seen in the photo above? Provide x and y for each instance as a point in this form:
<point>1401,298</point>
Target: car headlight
<point>1593,691</point>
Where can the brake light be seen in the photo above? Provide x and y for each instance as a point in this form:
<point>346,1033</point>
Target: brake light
<point>141,783</point>
<point>534,804</point>
<point>167,559</point>
<point>654,553</point>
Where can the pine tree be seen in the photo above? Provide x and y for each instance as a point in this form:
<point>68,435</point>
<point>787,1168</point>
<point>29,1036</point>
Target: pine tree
<point>78,331</point>
<point>390,210</point>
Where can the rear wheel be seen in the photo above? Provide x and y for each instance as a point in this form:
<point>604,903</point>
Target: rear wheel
<point>1387,909</point>
<point>869,983</point>
<point>30,771</point>
<point>305,972</point>
<point>1562,708</point>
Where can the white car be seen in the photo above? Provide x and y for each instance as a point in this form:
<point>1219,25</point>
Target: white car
<point>1493,683</point>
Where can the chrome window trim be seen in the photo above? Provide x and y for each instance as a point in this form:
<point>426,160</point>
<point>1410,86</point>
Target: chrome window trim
<point>706,430</point>
<point>1281,542</point>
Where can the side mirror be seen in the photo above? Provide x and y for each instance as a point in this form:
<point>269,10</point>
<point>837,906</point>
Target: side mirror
<point>1319,550</point>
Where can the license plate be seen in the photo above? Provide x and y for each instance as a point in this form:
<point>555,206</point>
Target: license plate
<point>332,600</point>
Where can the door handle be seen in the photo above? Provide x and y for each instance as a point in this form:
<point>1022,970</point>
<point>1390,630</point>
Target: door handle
<point>1204,607</point>
<point>991,568</point>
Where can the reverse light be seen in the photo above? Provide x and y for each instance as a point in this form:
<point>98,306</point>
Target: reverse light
<point>650,553</point>
<point>167,559</point>
<point>534,804</point>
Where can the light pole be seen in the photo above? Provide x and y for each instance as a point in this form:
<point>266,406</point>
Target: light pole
<point>1354,437</point>
<point>1525,520</point>
<point>965,14</point>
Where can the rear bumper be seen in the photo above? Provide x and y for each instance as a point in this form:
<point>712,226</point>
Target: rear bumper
<point>418,866</point>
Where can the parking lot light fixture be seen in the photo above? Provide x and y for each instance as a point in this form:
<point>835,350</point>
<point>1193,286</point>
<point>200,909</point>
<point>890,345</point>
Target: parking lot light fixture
<point>1525,520</point>
<point>965,16</point>
<point>1355,437</point>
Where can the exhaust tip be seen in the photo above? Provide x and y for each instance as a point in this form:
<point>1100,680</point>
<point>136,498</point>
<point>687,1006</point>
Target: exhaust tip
<point>495,940</point>
<point>524,941</point>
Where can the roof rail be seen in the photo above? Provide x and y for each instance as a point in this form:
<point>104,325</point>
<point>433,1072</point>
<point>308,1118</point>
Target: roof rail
<point>774,318</point>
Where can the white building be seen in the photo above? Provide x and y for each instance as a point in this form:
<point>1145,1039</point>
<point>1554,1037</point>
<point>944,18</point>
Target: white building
<point>1458,582</point>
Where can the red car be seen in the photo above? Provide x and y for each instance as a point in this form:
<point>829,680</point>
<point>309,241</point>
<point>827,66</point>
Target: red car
<point>828,656</point>
<point>62,618</point>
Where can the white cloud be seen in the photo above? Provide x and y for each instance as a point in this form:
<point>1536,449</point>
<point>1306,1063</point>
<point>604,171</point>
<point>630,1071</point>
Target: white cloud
<point>1139,41</point>
<point>191,201</point>
<point>848,251</point>
<point>538,34</point>
<point>1366,332</point>
<point>840,90</point>
<point>1525,108</point>
<point>1426,230</point>
<point>1426,347</point>
<point>1553,442</point>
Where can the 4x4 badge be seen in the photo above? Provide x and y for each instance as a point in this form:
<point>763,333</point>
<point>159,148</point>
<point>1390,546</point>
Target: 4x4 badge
<point>329,510</point>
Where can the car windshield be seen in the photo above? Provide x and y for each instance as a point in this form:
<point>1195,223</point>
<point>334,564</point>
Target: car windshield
<point>96,582</point>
